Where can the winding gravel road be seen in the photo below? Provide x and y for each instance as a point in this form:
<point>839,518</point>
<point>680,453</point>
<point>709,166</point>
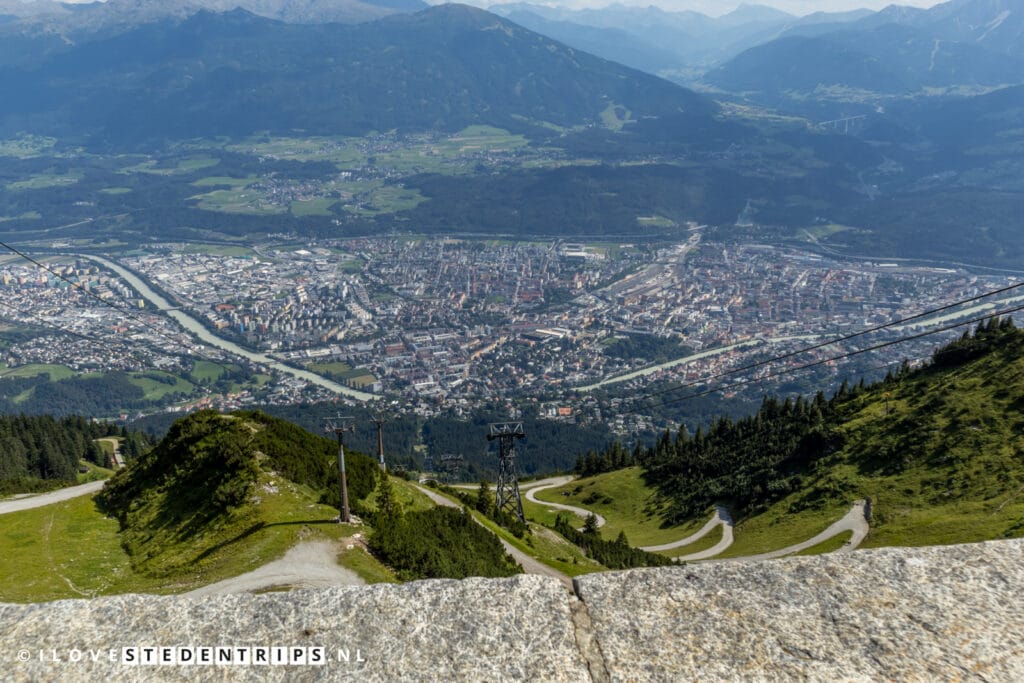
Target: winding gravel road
<point>29,502</point>
<point>722,517</point>
<point>854,521</point>
<point>312,564</point>
<point>555,482</point>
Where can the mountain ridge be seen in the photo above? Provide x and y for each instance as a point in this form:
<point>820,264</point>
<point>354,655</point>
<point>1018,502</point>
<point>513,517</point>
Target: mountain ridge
<point>235,74</point>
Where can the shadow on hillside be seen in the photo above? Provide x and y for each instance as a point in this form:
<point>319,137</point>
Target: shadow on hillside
<point>253,529</point>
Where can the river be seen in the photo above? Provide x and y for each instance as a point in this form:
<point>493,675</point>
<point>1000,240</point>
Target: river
<point>196,328</point>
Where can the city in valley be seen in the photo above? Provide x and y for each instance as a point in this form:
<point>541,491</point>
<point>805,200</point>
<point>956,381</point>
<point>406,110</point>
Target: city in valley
<point>452,324</point>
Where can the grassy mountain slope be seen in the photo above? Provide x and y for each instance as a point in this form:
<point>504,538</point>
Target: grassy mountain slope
<point>221,486</point>
<point>944,462</point>
<point>938,451</point>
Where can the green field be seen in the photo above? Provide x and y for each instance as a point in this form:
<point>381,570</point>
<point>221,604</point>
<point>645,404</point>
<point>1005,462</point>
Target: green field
<point>410,154</point>
<point>156,390</point>
<point>207,370</point>
<point>335,368</point>
<point>215,181</point>
<point>369,569</point>
<point>54,372</point>
<point>65,550</point>
<point>313,207</point>
<point>239,197</point>
<point>615,116</point>
<point>352,265</point>
<point>27,216</point>
<point>627,504</point>
<point>26,146</point>
<point>343,372</point>
<point>186,165</point>
<point>830,546</point>
<point>70,550</point>
<point>219,250</point>
<point>42,181</point>
<point>656,221</point>
<point>376,198</point>
<point>779,528</point>
<point>107,445</point>
<point>819,232</point>
<point>709,541</point>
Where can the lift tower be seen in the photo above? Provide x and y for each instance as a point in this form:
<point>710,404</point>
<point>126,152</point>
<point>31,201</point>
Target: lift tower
<point>339,425</point>
<point>507,494</point>
<point>380,421</point>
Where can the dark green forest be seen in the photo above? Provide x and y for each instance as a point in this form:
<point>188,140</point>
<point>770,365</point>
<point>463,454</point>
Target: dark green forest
<point>549,446</point>
<point>99,395</point>
<point>42,452</point>
<point>440,542</point>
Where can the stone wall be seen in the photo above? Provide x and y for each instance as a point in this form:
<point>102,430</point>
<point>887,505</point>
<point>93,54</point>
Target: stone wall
<point>925,614</point>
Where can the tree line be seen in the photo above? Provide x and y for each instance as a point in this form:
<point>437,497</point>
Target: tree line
<point>754,461</point>
<point>40,451</point>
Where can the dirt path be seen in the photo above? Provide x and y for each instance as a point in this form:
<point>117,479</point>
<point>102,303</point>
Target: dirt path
<point>530,565</point>
<point>722,517</point>
<point>307,565</point>
<point>42,499</point>
<point>854,521</point>
<point>555,482</point>
<point>116,455</point>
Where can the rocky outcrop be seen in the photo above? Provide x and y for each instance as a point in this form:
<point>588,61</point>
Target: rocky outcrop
<point>910,614</point>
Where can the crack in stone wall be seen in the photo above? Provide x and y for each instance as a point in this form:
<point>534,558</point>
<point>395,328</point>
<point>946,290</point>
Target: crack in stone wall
<point>586,643</point>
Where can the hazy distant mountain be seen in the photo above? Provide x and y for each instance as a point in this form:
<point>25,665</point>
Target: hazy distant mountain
<point>235,73</point>
<point>890,59</point>
<point>75,18</point>
<point>899,50</point>
<point>657,40</point>
<point>996,25</point>
<point>614,44</point>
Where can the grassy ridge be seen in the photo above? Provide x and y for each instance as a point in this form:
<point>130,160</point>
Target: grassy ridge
<point>232,489</point>
<point>216,499</point>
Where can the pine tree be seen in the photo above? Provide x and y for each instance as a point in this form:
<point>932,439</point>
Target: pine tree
<point>484,501</point>
<point>389,510</point>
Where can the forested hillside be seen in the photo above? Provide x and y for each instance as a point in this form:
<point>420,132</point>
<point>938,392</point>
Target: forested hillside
<point>945,437</point>
<point>40,452</point>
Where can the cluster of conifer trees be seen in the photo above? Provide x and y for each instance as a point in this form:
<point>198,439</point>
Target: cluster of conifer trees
<point>613,457</point>
<point>617,554</point>
<point>439,542</point>
<point>38,452</point>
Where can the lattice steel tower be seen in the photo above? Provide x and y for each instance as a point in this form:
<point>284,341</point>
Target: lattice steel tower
<point>507,494</point>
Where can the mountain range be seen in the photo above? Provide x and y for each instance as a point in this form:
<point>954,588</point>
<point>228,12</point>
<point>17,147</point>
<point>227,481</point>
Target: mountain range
<point>870,121</point>
<point>899,51</point>
<point>236,73</point>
